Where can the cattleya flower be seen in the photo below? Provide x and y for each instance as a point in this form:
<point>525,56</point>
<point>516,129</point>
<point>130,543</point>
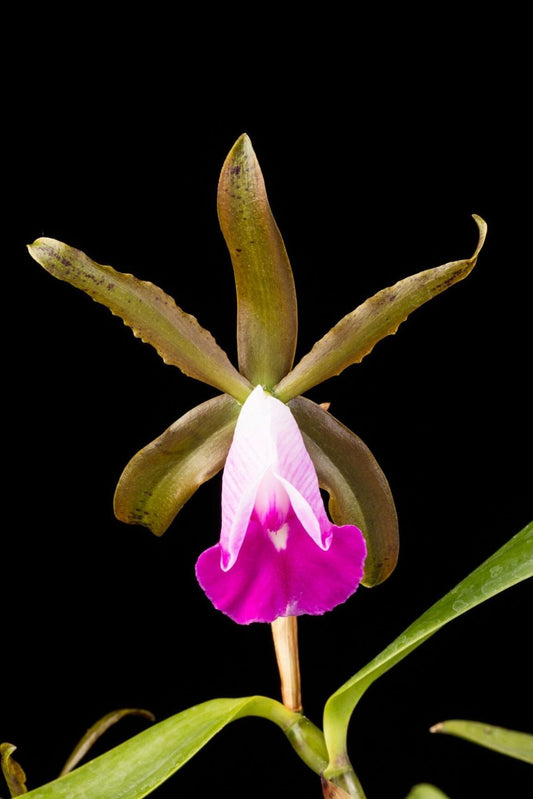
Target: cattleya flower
<point>279,554</point>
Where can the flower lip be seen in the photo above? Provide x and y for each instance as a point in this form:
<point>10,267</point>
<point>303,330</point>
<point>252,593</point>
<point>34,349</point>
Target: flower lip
<point>279,554</point>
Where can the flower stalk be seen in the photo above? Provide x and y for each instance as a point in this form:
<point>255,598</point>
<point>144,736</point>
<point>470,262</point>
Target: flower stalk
<point>285,635</point>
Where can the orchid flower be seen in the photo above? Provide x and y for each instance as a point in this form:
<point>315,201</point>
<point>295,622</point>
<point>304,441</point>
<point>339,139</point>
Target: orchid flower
<point>279,554</point>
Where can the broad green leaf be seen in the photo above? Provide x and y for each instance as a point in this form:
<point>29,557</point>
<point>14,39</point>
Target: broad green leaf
<point>138,766</point>
<point>358,489</point>
<point>508,566</point>
<point>159,479</point>
<point>425,791</point>
<point>153,316</point>
<point>266,298</point>
<point>13,773</point>
<point>508,742</point>
<point>357,333</point>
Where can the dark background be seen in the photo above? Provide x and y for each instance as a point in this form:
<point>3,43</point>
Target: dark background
<point>378,138</point>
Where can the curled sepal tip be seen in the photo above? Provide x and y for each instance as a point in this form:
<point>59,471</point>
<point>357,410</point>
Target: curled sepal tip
<point>356,334</point>
<point>153,315</point>
<point>12,771</point>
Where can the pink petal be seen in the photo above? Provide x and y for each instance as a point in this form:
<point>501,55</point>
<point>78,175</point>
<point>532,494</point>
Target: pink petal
<point>267,437</point>
<point>248,460</point>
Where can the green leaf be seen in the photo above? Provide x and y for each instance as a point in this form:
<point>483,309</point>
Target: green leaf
<point>425,791</point>
<point>97,730</point>
<point>508,566</point>
<point>153,316</point>
<point>381,315</point>
<point>266,298</point>
<point>358,489</point>
<point>138,766</point>
<point>508,742</point>
<point>159,479</point>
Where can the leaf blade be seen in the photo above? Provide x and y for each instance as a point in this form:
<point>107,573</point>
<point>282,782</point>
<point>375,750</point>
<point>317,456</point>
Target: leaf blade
<point>97,730</point>
<point>354,336</point>
<point>359,491</point>
<point>138,766</point>
<point>162,476</point>
<point>266,298</point>
<point>153,315</point>
<point>512,743</point>
<point>511,564</point>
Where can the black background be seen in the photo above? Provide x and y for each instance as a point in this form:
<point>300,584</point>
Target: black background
<point>378,139</point>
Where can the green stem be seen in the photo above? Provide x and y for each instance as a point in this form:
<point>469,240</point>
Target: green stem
<point>308,742</point>
<point>305,737</point>
<point>348,781</point>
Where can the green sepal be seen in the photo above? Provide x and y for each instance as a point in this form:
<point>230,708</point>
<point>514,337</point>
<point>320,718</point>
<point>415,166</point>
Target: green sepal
<point>359,331</point>
<point>511,564</point>
<point>159,479</point>
<point>358,489</point>
<point>153,316</point>
<point>507,742</point>
<point>266,298</point>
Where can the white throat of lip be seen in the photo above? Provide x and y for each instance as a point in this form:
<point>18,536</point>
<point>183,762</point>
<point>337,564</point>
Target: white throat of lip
<point>279,537</point>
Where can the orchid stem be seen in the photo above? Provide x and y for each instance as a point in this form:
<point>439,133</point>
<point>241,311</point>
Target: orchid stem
<point>285,635</point>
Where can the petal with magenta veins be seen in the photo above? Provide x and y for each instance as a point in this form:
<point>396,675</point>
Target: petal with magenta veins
<point>267,438</point>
